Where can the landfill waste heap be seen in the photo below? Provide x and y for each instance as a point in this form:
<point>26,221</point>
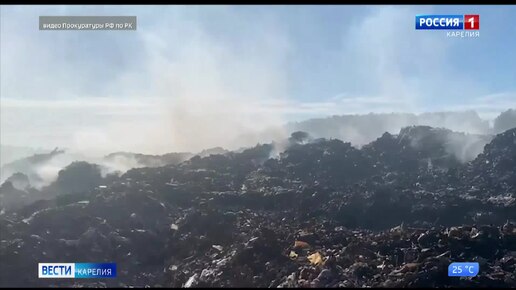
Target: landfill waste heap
<point>394,213</point>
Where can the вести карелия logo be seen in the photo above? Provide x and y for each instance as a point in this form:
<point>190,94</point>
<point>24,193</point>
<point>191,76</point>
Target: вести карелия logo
<point>76,270</point>
<point>467,25</point>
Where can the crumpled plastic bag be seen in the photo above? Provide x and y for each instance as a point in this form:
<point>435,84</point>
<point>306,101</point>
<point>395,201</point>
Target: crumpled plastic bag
<point>301,245</point>
<point>316,259</point>
<point>293,255</point>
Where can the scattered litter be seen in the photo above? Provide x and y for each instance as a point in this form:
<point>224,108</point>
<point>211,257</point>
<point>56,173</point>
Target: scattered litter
<point>301,245</point>
<point>316,259</point>
<point>191,281</point>
<point>396,224</point>
<point>293,255</point>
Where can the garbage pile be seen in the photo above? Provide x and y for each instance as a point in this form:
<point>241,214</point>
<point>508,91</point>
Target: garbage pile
<point>322,214</point>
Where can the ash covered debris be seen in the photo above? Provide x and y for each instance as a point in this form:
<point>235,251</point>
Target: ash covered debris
<point>393,213</point>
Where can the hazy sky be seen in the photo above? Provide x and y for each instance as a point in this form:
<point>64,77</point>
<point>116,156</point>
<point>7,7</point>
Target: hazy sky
<point>191,77</point>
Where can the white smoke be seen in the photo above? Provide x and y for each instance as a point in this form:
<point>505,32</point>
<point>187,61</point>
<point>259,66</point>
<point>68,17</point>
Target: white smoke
<point>192,88</point>
<point>44,173</point>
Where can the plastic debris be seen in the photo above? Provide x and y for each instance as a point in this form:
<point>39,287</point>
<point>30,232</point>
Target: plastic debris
<point>293,255</point>
<point>394,225</point>
<point>191,281</point>
<point>301,245</point>
<point>316,259</point>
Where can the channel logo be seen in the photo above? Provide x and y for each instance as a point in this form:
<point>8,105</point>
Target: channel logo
<point>448,22</point>
<point>76,270</point>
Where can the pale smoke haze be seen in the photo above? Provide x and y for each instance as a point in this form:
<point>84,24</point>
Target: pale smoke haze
<point>224,76</point>
<point>194,78</point>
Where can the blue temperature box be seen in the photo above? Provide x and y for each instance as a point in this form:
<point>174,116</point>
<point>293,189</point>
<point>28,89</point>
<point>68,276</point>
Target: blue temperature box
<point>463,269</point>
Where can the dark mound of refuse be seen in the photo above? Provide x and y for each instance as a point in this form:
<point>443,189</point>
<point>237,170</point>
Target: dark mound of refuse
<point>496,166</point>
<point>505,121</point>
<point>322,213</point>
<point>363,129</point>
<point>500,154</point>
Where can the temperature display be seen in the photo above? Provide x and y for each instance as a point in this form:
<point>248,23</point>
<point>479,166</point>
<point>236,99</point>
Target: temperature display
<point>463,269</point>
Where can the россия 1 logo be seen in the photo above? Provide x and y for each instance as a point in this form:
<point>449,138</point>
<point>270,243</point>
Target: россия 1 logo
<point>467,25</point>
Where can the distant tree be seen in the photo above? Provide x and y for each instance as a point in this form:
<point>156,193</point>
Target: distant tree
<point>78,177</point>
<point>299,137</point>
<point>505,121</point>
